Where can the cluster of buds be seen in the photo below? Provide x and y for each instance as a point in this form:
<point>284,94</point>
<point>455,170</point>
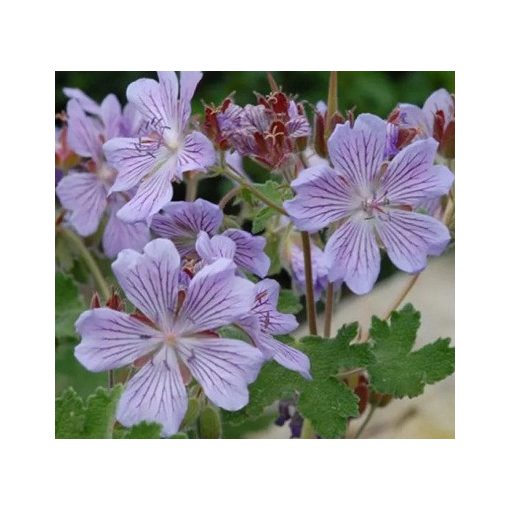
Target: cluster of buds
<point>270,131</point>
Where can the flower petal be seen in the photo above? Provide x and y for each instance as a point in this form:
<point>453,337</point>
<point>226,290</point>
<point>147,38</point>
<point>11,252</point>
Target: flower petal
<point>119,235</point>
<point>411,176</point>
<point>150,280</point>
<point>223,367</point>
<point>153,193</point>
<point>155,394</point>
<point>249,251</point>
<point>84,195</point>
<point>319,270</point>
<point>196,153</point>
<point>212,249</point>
<point>352,255</point>
<point>285,355</point>
<point>409,237</point>
<point>151,100</point>
<point>111,115</point>
<point>359,151</point>
<point>83,134</point>
<point>88,104</point>
<point>322,197</point>
<point>112,339</point>
<point>215,298</point>
<point>440,100</point>
<point>133,158</point>
<point>182,221</point>
<point>410,116</point>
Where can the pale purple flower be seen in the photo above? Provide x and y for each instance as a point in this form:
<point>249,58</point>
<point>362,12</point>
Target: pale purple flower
<point>165,151</point>
<point>176,339</point>
<point>264,321</point>
<point>85,194</point>
<point>182,222</point>
<point>372,199</point>
<point>319,270</point>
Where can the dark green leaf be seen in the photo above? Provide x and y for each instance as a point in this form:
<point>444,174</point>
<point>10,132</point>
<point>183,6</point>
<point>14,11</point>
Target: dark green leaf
<point>288,302</point>
<point>68,305</point>
<point>144,430</point>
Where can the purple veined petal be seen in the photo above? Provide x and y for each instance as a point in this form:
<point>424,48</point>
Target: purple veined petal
<point>111,115</point>
<point>409,237</point>
<point>196,153</point>
<point>215,298</point>
<point>84,195</point>
<point>213,248</point>
<point>155,394</point>
<point>352,255</point>
<point>285,355</point>
<point>358,152</point>
<point>154,192</point>
<point>88,104</point>
<point>133,158</point>
<point>119,235</point>
<point>432,207</point>
<point>235,161</point>
<point>298,124</point>
<point>188,84</point>
<point>132,123</point>
<point>255,118</point>
<point>150,279</point>
<point>83,135</point>
<point>223,367</point>
<point>410,116</point>
<point>440,100</point>
<point>319,270</point>
<point>411,176</point>
<point>249,253</point>
<point>169,92</point>
<point>112,339</point>
<point>152,101</point>
<point>182,221</point>
<point>264,307</point>
<point>322,196</point>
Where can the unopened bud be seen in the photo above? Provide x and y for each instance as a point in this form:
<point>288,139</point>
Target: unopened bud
<point>209,424</point>
<point>191,413</point>
<point>95,302</point>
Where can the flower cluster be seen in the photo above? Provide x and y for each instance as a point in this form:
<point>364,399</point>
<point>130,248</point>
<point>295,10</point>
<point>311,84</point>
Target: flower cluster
<point>354,186</point>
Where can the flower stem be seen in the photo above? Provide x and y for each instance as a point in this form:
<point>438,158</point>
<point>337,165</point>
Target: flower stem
<point>310,302</point>
<point>191,186</point>
<point>78,243</point>
<point>229,196</point>
<point>330,296</point>
<point>373,407</point>
<point>332,96</point>
<point>101,283</point>
<point>231,174</point>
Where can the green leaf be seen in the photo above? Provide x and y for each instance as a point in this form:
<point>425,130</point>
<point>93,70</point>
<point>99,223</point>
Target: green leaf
<point>74,419</point>
<point>209,423</point>
<point>272,250</point>
<point>261,218</point>
<point>100,413</point>
<point>288,302</point>
<point>68,305</point>
<point>144,430</point>
<point>179,435</point>
<point>325,401</point>
<point>396,369</point>
<point>69,415</point>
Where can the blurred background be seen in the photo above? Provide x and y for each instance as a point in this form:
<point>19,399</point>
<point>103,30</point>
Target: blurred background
<point>432,414</point>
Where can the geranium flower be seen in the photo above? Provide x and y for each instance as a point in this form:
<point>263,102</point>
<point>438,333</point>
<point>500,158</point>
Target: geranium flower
<point>182,222</point>
<point>372,200</point>
<point>165,151</point>
<point>85,194</point>
<point>176,338</point>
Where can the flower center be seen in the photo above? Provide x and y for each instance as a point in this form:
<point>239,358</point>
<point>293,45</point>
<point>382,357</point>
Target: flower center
<point>373,204</point>
<point>106,174</point>
<point>171,339</point>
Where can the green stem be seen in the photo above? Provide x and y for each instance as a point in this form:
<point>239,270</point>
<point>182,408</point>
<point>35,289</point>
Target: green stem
<point>191,187</point>
<point>78,243</point>
<point>228,197</point>
<point>373,407</point>
<point>332,97</point>
<point>232,174</point>
<point>330,296</point>
<point>310,302</point>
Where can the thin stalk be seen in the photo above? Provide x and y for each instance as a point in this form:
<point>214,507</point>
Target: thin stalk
<point>78,243</point>
<point>101,283</point>
<point>403,294</point>
<point>332,96</point>
<point>191,187</point>
<point>330,296</point>
<point>310,302</point>
<point>373,407</point>
<point>229,196</point>
<point>246,184</point>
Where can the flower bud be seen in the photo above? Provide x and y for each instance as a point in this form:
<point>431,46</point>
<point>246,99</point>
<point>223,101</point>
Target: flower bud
<point>209,424</point>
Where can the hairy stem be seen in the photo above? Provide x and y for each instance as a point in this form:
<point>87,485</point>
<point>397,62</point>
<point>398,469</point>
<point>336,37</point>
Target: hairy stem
<point>310,302</point>
<point>229,196</point>
<point>330,296</point>
<point>332,96</point>
<point>232,174</point>
<point>84,252</point>
<point>373,407</point>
